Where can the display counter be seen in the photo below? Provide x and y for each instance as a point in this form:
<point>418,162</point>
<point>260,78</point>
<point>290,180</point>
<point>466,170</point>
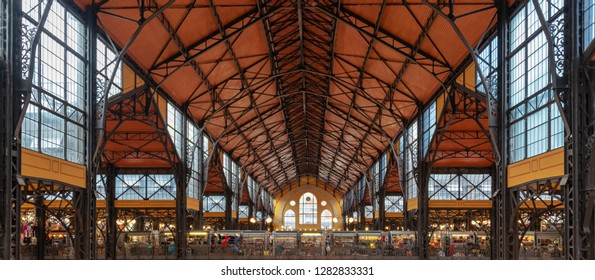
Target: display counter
<point>541,245</point>
<point>226,242</point>
<point>142,244</point>
<point>58,245</point>
<point>461,243</point>
<point>369,243</point>
<point>199,243</point>
<point>254,243</point>
<point>528,249</point>
<point>482,242</point>
<point>312,243</point>
<point>342,243</point>
<point>285,243</point>
<point>401,243</point>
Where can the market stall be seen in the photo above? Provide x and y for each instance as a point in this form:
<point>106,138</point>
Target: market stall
<point>226,242</point>
<point>452,243</point>
<point>285,243</point>
<point>482,248</point>
<point>254,243</point>
<point>58,245</point>
<point>369,243</point>
<point>400,243</point>
<point>342,243</point>
<point>528,249</point>
<point>461,243</point>
<point>549,244</point>
<point>141,244</point>
<point>312,243</point>
<point>199,243</point>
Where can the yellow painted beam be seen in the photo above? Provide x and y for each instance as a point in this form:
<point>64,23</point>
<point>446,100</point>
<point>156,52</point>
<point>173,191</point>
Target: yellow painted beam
<point>192,203</point>
<point>457,204</point>
<point>412,204</point>
<point>56,204</point>
<point>214,214</point>
<point>393,215</point>
<point>38,165</point>
<point>547,165</point>
<point>542,205</point>
<point>140,204</point>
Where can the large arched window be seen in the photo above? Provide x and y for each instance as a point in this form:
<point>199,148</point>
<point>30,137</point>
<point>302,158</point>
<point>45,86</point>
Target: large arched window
<point>289,219</point>
<point>308,209</point>
<point>326,219</point>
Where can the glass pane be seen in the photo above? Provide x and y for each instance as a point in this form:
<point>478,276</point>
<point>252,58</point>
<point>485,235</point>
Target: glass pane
<point>308,209</point>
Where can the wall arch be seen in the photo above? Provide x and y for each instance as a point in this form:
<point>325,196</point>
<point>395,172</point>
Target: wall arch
<point>289,219</point>
<point>332,204</point>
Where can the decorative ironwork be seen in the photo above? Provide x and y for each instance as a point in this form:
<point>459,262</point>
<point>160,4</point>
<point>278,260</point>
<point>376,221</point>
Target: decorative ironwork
<point>100,89</point>
<point>65,204</point>
<point>558,33</point>
<point>530,203</point>
<point>28,32</point>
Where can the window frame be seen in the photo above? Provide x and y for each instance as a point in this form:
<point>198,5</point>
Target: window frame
<point>58,106</point>
<point>308,216</point>
<point>524,135</point>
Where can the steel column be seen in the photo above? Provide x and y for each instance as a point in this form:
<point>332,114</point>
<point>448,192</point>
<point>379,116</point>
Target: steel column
<point>181,177</point>
<point>370,189</point>
<point>503,238</point>
<point>589,192</point>
<point>180,237</point>
<point>228,208</point>
<point>568,84</point>
<point>381,207</point>
<point>40,217</point>
<point>81,224</point>
<point>200,216</point>
<point>422,193</point>
<point>401,159</point>
<point>579,141</point>
<point>361,215</point>
<point>239,197</point>
<point>202,179</point>
<point>111,231</point>
<point>90,236</point>
<point>9,64</point>
<point>13,84</point>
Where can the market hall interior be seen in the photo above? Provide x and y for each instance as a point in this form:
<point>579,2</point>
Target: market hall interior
<point>297,129</point>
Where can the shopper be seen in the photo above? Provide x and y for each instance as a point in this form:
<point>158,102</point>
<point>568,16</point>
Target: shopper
<point>213,242</point>
<point>225,241</point>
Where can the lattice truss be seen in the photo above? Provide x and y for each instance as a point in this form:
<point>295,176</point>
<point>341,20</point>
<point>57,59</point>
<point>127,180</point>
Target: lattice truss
<point>536,205</point>
<point>460,187</point>
<point>140,187</point>
<point>297,88</point>
<point>136,131</point>
<point>460,220</point>
<point>61,204</point>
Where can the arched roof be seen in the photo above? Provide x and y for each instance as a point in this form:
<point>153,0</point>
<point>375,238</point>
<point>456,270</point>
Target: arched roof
<point>299,88</point>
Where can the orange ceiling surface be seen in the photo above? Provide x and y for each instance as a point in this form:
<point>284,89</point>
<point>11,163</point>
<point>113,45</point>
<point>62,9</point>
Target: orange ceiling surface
<point>462,139</point>
<point>135,134</point>
<point>299,88</point>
